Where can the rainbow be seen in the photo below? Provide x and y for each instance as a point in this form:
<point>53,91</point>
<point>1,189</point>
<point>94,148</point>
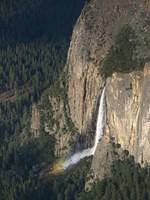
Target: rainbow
<point>59,166</point>
<point>63,163</point>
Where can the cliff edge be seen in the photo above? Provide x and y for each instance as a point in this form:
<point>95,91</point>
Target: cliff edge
<point>127,91</point>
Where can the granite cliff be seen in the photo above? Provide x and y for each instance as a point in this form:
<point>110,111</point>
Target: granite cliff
<point>128,112</point>
<point>127,92</point>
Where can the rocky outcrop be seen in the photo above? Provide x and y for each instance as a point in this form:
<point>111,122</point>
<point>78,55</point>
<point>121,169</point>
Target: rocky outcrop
<point>56,125</point>
<point>128,120</point>
<point>107,151</point>
<point>127,94</point>
<point>35,121</point>
<point>50,116</point>
<point>128,112</point>
<point>92,37</point>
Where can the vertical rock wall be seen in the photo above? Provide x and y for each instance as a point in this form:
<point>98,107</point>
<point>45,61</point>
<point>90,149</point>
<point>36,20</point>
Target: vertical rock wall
<point>127,94</point>
<point>128,112</point>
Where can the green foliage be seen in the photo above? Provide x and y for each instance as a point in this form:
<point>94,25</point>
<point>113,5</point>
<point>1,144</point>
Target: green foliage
<point>33,53</point>
<point>128,181</point>
<point>32,67</point>
<point>58,90</point>
<point>66,186</point>
<point>21,163</point>
<point>121,56</point>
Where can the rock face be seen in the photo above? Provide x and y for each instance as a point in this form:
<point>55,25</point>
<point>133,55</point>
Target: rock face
<point>57,126</point>
<point>35,121</point>
<point>107,152</point>
<point>92,37</point>
<point>128,112</point>
<point>127,94</point>
<point>50,117</point>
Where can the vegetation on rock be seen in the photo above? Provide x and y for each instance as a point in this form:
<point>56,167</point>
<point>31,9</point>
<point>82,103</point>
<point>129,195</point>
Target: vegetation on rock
<point>128,181</point>
<point>122,56</point>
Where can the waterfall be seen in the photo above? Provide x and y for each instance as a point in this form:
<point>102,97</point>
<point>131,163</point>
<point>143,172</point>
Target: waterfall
<point>63,164</point>
<point>101,120</point>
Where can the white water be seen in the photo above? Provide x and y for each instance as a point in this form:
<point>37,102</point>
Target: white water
<point>101,121</point>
